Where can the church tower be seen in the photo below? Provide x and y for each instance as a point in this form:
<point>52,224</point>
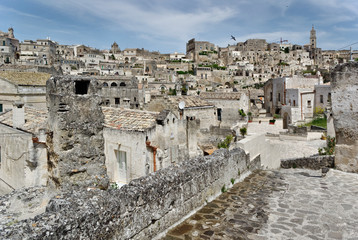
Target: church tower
<point>313,39</point>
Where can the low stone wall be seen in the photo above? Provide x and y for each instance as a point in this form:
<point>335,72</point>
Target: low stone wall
<point>313,162</point>
<point>140,210</point>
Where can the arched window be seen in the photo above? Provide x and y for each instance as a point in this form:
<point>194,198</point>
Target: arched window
<point>122,84</point>
<point>105,84</point>
<point>113,84</point>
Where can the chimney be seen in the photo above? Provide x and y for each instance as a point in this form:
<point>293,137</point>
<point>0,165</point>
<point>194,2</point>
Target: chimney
<point>18,115</point>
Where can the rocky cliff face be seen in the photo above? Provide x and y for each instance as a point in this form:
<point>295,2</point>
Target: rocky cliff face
<point>75,141</point>
<point>345,114</point>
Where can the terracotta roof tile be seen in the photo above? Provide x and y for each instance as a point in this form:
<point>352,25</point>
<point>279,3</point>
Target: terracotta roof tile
<point>34,119</point>
<point>221,95</point>
<point>26,78</point>
<point>190,101</point>
<point>129,119</point>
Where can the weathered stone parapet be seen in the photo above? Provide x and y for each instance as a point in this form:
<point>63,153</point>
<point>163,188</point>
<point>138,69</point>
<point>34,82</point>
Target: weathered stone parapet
<point>75,142</point>
<point>313,162</point>
<point>140,210</point>
<point>345,115</point>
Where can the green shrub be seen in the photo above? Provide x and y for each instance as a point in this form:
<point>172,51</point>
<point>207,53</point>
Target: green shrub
<point>242,113</point>
<point>232,181</point>
<point>226,142</point>
<point>243,131</point>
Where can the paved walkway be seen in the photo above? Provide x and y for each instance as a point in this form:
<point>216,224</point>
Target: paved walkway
<point>285,204</point>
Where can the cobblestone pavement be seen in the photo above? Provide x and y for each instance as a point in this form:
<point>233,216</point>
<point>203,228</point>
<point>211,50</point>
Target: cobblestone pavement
<point>285,204</point>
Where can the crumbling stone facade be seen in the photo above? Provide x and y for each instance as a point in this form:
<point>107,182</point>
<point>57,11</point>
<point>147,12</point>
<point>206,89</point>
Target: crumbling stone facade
<point>345,115</point>
<point>75,141</point>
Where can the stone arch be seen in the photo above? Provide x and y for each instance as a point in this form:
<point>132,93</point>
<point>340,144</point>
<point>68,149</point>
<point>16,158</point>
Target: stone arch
<point>113,84</point>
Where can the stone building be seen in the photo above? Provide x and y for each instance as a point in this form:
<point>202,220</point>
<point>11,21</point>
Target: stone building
<point>122,91</point>
<point>40,52</point>
<point>27,88</point>
<point>192,107</point>
<point>294,98</point>
<point>315,52</point>
<point>9,47</point>
<point>228,105</point>
<point>23,150</point>
<point>140,142</point>
<point>194,48</point>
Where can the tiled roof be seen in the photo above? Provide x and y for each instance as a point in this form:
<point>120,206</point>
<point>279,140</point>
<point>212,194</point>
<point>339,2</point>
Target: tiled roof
<point>190,101</point>
<point>34,119</point>
<point>128,119</point>
<point>26,78</point>
<point>221,95</point>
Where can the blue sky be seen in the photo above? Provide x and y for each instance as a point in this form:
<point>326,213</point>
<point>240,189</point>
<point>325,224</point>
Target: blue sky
<point>166,25</point>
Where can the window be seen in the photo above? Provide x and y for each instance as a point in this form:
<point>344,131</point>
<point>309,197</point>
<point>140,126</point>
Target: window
<point>309,104</point>
<point>270,96</point>
<point>117,100</point>
<point>113,84</point>
<point>81,87</point>
<point>329,97</point>
<point>105,84</point>
<point>1,107</point>
<point>3,43</point>
<point>135,99</point>
<point>294,103</point>
<point>321,98</point>
<point>122,160</point>
<point>279,97</point>
<point>219,113</point>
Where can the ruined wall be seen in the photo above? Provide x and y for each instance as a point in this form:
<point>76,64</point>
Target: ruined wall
<point>140,210</point>
<point>76,155</point>
<point>345,115</point>
<point>313,162</point>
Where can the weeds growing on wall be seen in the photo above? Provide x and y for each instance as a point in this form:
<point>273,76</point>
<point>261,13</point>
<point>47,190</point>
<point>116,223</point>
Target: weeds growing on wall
<point>329,149</point>
<point>226,142</point>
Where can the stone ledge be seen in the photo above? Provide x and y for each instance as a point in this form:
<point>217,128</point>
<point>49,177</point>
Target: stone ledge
<point>313,162</point>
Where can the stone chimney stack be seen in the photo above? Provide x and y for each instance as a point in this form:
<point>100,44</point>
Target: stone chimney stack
<point>75,141</point>
<point>18,115</point>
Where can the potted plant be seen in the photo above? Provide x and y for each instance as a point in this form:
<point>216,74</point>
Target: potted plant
<point>272,121</point>
<point>249,114</point>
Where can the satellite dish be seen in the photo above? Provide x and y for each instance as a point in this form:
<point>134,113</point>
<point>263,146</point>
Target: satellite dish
<point>182,105</point>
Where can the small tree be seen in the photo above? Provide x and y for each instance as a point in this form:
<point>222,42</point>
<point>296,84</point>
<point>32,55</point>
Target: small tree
<point>243,131</point>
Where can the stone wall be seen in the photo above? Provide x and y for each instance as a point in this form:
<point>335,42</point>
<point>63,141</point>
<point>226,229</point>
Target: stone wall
<point>345,115</point>
<point>313,162</point>
<point>140,210</point>
<point>75,142</point>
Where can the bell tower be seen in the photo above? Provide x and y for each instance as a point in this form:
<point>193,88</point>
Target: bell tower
<point>313,39</point>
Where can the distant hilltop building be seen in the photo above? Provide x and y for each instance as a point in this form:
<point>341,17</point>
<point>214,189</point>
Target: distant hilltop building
<point>9,47</point>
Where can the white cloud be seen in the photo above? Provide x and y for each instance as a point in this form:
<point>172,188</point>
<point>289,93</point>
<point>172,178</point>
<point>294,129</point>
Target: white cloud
<point>157,20</point>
